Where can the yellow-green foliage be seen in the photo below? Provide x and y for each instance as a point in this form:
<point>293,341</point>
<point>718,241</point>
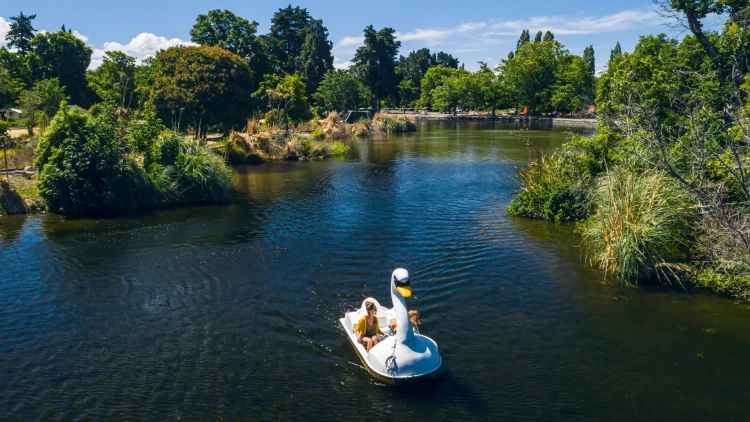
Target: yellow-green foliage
<point>641,227</point>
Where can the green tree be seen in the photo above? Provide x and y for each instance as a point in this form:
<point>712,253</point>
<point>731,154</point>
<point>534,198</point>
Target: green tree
<point>114,80</point>
<point>341,90</point>
<point>531,73</point>
<point>299,44</point>
<point>21,32</point>
<point>222,28</point>
<point>41,103</point>
<point>375,63</point>
<point>444,59</point>
<point>288,102</point>
<point>572,89</point>
<point>201,86</point>
<point>523,39</point>
<point>315,59</point>
<point>615,52</point>
<point>10,88</point>
<point>16,65</point>
<point>538,37</point>
<point>63,56</point>
<point>588,57</point>
<point>434,78</point>
<point>549,36</point>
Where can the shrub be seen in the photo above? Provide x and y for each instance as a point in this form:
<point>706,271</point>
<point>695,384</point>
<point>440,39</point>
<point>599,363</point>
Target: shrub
<point>387,123</point>
<point>641,228</point>
<point>551,190</point>
<point>317,135</point>
<point>338,148</point>
<point>202,175</point>
<point>83,168</point>
<point>717,281</point>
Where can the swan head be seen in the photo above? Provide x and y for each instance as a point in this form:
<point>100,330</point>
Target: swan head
<point>400,280</point>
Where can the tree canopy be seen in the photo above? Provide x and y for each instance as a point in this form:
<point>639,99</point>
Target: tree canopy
<point>21,32</point>
<point>375,63</point>
<point>201,86</point>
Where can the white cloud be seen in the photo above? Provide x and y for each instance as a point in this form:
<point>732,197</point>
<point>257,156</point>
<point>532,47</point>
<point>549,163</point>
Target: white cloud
<point>432,36</point>
<point>351,41</point>
<point>343,65</point>
<point>140,47</point>
<point>569,25</point>
<point>80,36</point>
<point>4,29</point>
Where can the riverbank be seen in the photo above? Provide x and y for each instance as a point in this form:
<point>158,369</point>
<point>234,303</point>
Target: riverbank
<point>554,121</point>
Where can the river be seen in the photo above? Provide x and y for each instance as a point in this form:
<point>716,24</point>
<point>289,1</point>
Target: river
<point>231,311</point>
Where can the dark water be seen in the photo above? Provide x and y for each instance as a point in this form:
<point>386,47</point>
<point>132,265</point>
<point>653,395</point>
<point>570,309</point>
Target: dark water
<point>232,311</point>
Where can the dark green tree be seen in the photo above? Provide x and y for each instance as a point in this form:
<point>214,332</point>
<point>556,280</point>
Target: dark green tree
<point>615,51</point>
<point>588,57</point>
<point>444,59</point>
<point>511,55</point>
<point>222,28</point>
<point>63,56</point>
<point>549,36</point>
<point>315,59</point>
<point>21,32</point>
<point>538,37</point>
<point>523,39</point>
<point>375,63</point>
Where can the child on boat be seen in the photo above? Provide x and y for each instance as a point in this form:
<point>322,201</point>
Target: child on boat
<point>414,318</point>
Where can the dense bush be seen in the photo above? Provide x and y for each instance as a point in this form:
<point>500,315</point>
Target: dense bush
<point>83,168</point>
<point>99,164</point>
<point>555,186</point>
<point>642,226</point>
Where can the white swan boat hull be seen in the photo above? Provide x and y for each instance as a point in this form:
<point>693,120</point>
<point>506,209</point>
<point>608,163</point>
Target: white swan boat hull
<point>418,359</point>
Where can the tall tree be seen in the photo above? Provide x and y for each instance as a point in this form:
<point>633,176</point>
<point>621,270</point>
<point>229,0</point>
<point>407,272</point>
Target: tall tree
<point>222,28</point>
<point>61,55</point>
<point>523,39</point>
<point>21,32</point>
<point>444,59</point>
<point>531,73</point>
<point>114,79</point>
<point>375,63</point>
<point>201,86</point>
<point>315,59</point>
<point>615,51</point>
<point>549,36</point>
<point>588,57</point>
<point>299,44</point>
<point>538,37</point>
<point>41,103</point>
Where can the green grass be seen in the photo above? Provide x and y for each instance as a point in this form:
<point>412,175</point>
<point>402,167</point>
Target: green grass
<point>642,227</point>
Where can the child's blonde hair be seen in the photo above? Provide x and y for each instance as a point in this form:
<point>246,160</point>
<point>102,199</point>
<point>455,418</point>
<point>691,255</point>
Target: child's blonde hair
<point>414,313</point>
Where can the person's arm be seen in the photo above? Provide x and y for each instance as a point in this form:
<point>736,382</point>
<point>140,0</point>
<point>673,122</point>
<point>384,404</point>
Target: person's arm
<point>358,328</point>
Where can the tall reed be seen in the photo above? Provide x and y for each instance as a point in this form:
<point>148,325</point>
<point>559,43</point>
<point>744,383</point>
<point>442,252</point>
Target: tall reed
<point>642,228</point>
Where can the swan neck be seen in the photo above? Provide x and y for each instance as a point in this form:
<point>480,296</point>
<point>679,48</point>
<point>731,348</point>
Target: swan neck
<point>404,333</point>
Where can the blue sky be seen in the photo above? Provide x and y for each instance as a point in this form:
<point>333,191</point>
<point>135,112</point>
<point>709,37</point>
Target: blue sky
<point>472,31</point>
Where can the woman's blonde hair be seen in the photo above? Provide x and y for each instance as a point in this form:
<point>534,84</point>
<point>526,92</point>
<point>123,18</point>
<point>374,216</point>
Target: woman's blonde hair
<point>414,313</point>
<point>370,306</point>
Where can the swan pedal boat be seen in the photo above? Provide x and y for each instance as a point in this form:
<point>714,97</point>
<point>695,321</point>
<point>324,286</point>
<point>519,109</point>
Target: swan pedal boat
<point>401,357</point>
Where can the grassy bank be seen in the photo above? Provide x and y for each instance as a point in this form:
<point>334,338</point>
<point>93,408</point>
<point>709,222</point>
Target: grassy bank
<point>316,139</point>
